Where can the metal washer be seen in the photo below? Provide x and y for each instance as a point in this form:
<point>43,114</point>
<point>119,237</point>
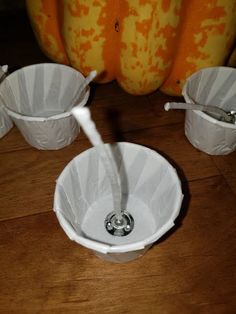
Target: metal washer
<point>119,228</point>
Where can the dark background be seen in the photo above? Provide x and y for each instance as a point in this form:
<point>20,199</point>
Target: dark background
<point>18,46</point>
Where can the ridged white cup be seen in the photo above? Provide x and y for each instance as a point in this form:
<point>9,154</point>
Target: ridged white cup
<point>214,86</point>
<point>39,99</point>
<point>5,121</point>
<point>151,193</point>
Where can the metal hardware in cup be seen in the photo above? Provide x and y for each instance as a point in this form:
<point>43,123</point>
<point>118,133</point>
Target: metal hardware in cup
<point>119,227</point>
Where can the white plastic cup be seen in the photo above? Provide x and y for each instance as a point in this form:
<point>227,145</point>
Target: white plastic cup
<point>39,99</point>
<point>5,122</point>
<point>214,86</point>
<point>151,193</point>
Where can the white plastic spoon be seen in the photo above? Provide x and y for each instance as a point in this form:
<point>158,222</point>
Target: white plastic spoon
<point>216,112</point>
<point>90,78</point>
<point>87,81</point>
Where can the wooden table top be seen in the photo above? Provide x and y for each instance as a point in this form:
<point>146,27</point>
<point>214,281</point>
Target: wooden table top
<point>191,270</point>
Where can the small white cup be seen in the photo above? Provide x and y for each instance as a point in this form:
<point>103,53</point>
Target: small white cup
<point>151,193</point>
<point>5,121</point>
<point>214,86</point>
<point>39,98</point>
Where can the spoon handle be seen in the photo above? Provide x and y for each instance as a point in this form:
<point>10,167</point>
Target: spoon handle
<point>90,77</point>
<point>182,105</point>
<point>217,113</point>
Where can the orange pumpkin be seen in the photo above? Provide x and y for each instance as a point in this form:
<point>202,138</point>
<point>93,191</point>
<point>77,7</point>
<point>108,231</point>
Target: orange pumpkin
<point>143,44</point>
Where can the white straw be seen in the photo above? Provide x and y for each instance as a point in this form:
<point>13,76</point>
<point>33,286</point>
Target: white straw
<point>83,117</point>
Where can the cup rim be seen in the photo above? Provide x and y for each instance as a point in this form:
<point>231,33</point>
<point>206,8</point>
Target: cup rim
<point>62,115</point>
<point>199,112</point>
<point>51,64</point>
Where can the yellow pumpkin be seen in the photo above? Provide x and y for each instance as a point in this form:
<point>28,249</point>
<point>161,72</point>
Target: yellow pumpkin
<point>143,44</point>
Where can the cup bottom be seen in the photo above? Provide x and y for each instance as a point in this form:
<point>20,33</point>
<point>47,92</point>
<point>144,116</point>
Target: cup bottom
<point>122,257</point>
<point>93,225</point>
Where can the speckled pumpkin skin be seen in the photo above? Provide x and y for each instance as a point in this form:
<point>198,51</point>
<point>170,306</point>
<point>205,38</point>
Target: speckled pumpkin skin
<point>143,44</point>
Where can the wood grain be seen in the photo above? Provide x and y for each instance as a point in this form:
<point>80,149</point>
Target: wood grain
<point>227,166</point>
<point>192,269</point>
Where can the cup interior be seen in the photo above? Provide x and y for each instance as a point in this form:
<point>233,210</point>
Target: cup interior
<point>43,90</point>
<point>215,86</point>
